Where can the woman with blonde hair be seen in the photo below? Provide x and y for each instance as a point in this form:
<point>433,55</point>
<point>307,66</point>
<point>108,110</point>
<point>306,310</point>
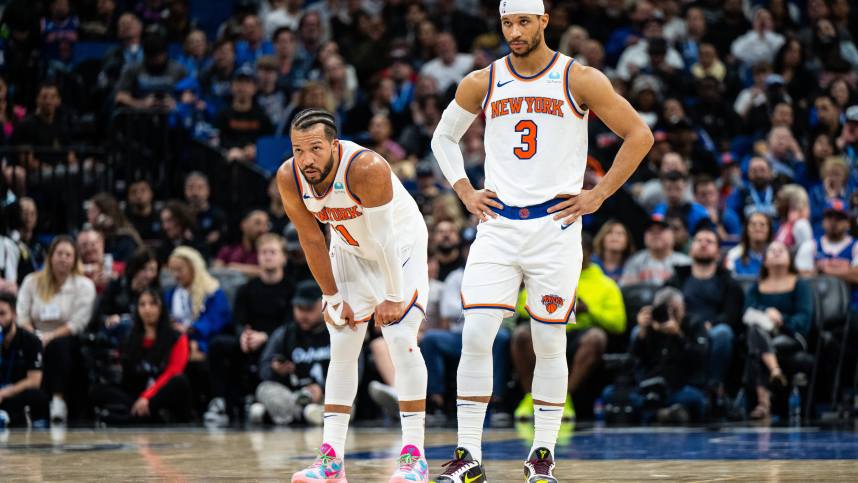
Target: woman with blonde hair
<point>197,305</point>
<point>56,303</point>
<point>793,207</point>
<point>612,246</point>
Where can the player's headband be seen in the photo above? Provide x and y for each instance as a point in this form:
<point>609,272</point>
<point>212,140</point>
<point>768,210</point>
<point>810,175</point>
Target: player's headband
<point>521,7</point>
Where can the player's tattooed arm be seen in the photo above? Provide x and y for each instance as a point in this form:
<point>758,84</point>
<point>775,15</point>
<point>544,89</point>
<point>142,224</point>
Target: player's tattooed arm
<point>310,235</point>
<point>593,91</point>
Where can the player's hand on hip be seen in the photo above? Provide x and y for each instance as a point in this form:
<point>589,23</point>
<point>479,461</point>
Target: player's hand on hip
<point>347,317</point>
<point>480,203</point>
<point>576,206</point>
<point>388,312</point>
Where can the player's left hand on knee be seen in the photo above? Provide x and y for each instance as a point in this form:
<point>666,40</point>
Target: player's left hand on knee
<point>388,312</point>
<point>576,206</point>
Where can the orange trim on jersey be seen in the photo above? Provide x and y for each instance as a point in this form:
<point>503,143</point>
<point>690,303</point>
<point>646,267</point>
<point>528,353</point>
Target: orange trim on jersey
<point>535,76</point>
<point>568,92</point>
<point>331,186</point>
<point>346,176</point>
<point>484,306</point>
<point>491,86</point>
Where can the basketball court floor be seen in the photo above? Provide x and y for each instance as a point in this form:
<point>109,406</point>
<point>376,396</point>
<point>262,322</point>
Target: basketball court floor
<point>592,454</point>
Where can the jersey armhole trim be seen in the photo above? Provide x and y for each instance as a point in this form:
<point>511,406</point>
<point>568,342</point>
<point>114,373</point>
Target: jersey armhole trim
<point>297,178</point>
<point>491,86</point>
<point>568,91</point>
<point>349,191</point>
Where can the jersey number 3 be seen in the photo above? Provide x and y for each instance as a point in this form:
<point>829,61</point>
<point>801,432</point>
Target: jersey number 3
<point>527,128</point>
<point>347,237</point>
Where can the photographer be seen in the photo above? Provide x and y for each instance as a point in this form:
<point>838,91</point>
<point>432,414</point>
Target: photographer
<point>295,361</point>
<point>670,349</point>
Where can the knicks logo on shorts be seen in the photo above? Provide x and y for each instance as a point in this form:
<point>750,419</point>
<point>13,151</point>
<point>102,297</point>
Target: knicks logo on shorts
<point>552,302</point>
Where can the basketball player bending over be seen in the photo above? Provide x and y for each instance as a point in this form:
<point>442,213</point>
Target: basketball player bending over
<point>536,102</point>
<point>376,267</point>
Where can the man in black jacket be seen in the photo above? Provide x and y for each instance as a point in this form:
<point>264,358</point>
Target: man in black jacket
<point>713,297</point>
<point>20,370</point>
<point>669,349</point>
<point>295,361</point>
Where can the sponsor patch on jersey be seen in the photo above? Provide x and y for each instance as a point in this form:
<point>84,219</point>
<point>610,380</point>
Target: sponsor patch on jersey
<point>552,302</point>
<point>554,76</point>
<point>338,186</point>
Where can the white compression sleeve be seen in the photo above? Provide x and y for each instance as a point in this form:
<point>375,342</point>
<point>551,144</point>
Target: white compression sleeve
<point>445,141</point>
<point>379,220</point>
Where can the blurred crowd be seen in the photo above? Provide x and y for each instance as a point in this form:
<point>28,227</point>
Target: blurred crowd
<point>704,277</point>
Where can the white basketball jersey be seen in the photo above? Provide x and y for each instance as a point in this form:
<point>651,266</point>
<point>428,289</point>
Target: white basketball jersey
<point>536,135</point>
<point>343,211</point>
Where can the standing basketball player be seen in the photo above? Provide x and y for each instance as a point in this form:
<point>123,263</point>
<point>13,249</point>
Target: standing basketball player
<point>376,267</point>
<point>536,102</point>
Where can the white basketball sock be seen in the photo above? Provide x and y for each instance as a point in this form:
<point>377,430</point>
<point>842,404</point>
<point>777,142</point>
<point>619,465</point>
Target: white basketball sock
<point>546,425</point>
<point>413,427</point>
<point>471,416</point>
<point>335,430</point>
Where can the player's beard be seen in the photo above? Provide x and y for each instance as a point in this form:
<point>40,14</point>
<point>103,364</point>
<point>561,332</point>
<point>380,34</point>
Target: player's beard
<point>326,170</point>
<point>532,44</point>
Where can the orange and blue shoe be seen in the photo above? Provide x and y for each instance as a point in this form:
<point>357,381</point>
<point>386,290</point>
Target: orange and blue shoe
<point>328,468</point>
<point>413,467</point>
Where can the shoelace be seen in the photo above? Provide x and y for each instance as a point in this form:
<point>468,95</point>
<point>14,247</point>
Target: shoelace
<point>541,466</point>
<point>407,462</point>
<point>322,460</point>
<point>454,465</point>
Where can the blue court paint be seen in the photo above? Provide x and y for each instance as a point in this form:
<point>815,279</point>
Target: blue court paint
<point>673,444</point>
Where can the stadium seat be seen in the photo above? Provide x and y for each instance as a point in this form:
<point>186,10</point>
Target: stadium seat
<point>271,151</point>
<point>831,315</point>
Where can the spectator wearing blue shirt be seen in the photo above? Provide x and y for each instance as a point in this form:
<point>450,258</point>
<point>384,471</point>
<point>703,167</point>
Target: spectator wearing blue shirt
<point>194,56</point>
<point>759,194</point>
<point>725,220</point>
<point>692,213</point>
<point>216,79</point>
<point>745,259</point>
<point>292,64</point>
<point>59,31</point>
<point>612,246</point>
<point>785,154</point>
<point>253,44</point>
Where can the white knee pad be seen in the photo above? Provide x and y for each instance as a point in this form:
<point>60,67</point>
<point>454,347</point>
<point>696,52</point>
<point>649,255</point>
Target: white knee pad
<point>342,381</point>
<point>407,359</point>
<point>551,375</point>
<point>474,377</point>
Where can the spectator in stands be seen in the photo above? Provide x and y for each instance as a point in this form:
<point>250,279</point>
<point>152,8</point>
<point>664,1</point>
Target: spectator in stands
<point>48,130</point>
<point>791,64</point>
<point>116,304</point>
<point>294,364</point>
<point>613,246</point>
<point>177,22</point>
<point>380,131</point>
<point>708,65</point>
<point>793,216</point>
<point>121,240</point>
<point>756,93</point>
<point>785,155</point>
<point>449,66</point>
<point>261,306</point>
<point>243,121</point>
<point>745,259</point>
<point>310,34</point>
<point>27,231</point>
<point>599,311</point>
<point>195,56</point>
<point>651,192</point>
<point>447,242</point>
<point>21,377</point>
<point>759,194</point>
<point>827,115</point>
<point>297,269</point>
<point>760,44</point>
<point>59,31</point>
<point>278,14</point>
<point>140,210</point>
<point>129,51</point>
<point>836,53</point>
<point>835,253</point>
<point>656,262</point>
<point>722,218</point>
<point>669,345</point>
<point>210,220</point>
<point>150,84</point>
<point>56,303</point>
<point>101,25</point>
<point>253,44</point>
<point>178,226</point>
<point>273,99</point>
<point>292,64</point>
<point>276,214</point>
<point>98,266</point>
<point>779,305</point>
<point>243,255</point>
<point>216,79</point>
<point>714,298</point>
<point>197,305</point>
<point>693,214</point>
<point>153,386</point>
<point>847,142</point>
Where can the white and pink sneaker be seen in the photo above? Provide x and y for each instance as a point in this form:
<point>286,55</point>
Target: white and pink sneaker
<point>328,468</point>
<point>413,467</point>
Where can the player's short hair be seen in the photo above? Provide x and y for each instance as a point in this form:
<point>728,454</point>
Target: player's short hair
<point>308,118</point>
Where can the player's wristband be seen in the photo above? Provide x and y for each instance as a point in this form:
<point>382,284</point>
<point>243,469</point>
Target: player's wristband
<point>334,307</point>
